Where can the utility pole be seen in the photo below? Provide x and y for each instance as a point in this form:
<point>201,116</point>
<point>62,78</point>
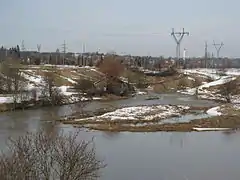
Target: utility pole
<point>184,57</point>
<point>64,46</point>
<point>84,61</point>
<point>212,63</point>
<point>178,36</point>
<point>206,54</point>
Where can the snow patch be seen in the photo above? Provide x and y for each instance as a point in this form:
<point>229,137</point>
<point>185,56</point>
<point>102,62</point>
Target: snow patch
<point>69,79</point>
<point>192,79</point>
<point>214,111</point>
<point>210,129</point>
<point>141,113</point>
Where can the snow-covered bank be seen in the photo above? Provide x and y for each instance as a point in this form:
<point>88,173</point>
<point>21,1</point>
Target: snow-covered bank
<point>211,73</point>
<point>208,90</point>
<point>203,88</point>
<point>144,113</point>
<point>34,83</point>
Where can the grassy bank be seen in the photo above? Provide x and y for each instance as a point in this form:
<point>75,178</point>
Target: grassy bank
<point>137,123</point>
<point>228,121</point>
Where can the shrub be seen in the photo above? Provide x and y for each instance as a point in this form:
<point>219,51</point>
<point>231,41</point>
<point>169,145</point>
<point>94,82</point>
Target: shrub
<point>49,156</point>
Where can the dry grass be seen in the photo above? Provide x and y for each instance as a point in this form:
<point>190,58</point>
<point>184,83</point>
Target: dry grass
<point>59,81</point>
<point>131,125</point>
<point>90,73</point>
<point>177,82</point>
<point>69,74</point>
<point>172,83</point>
<point>4,107</point>
<point>235,83</point>
<point>214,122</point>
<point>230,110</point>
<point>232,120</point>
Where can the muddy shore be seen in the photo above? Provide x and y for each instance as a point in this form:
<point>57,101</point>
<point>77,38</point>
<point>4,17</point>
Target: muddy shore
<point>227,121</point>
<point>153,125</point>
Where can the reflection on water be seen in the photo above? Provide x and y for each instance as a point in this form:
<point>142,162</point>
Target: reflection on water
<point>111,135</point>
<point>178,139</point>
<point>185,118</point>
<point>160,156</point>
<point>143,156</point>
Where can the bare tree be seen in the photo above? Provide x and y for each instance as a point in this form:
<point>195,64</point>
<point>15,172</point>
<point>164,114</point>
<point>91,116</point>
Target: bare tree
<point>50,91</point>
<point>228,89</point>
<point>182,83</point>
<point>15,84</point>
<point>44,156</point>
<point>85,87</point>
<point>85,90</point>
<point>6,74</point>
<point>138,79</point>
<point>111,67</point>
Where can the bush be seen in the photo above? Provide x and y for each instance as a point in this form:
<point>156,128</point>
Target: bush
<point>138,79</point>
<point>228,89</point>
<point>111,67</point>
<point>84,85</point>
<point>49,156</point>
<point>182,83</point>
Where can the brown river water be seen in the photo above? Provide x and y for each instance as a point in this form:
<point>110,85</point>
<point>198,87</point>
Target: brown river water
<point>145,156</point>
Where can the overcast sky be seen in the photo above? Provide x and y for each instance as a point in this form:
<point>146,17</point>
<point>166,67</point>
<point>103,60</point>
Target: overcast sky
<point>139,27</point>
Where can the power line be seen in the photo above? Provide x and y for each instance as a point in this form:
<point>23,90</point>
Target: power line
<point>128,34</point>
<point>178,37</point>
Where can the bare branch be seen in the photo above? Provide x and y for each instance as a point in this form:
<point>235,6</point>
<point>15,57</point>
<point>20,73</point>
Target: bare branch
<point>50,156</point>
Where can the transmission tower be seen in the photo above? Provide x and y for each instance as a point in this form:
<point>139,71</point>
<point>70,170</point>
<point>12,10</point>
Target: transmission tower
<point>23,46</point>
<point>64,46</point>
<point>83,48</point>
<point>38,47</point>
<point>218,47</point>
<point>178,36</point>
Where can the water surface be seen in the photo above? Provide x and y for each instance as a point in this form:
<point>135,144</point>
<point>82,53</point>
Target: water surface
<point>144,156</point>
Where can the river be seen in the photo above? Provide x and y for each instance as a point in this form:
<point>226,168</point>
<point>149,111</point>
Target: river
<point>144,156</point>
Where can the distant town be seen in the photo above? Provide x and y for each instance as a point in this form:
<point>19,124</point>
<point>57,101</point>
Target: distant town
<point>92,58</point>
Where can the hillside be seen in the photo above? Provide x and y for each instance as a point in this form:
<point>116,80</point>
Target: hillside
<point>34,78</point>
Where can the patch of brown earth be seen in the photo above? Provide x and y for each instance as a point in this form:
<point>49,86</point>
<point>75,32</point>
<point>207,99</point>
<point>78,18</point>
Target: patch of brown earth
<point>214,122</point>
<point>132,125</point>
<point>176,82</point>
<point>91,73</point>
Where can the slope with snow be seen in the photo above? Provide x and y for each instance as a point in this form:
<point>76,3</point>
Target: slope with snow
<point>34,80</point>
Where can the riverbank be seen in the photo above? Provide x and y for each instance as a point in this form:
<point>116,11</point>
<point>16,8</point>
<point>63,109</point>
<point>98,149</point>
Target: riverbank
<point>140,118</point>
<point>226,122</point>
<point>154,118</point>
<point>5,107</point>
